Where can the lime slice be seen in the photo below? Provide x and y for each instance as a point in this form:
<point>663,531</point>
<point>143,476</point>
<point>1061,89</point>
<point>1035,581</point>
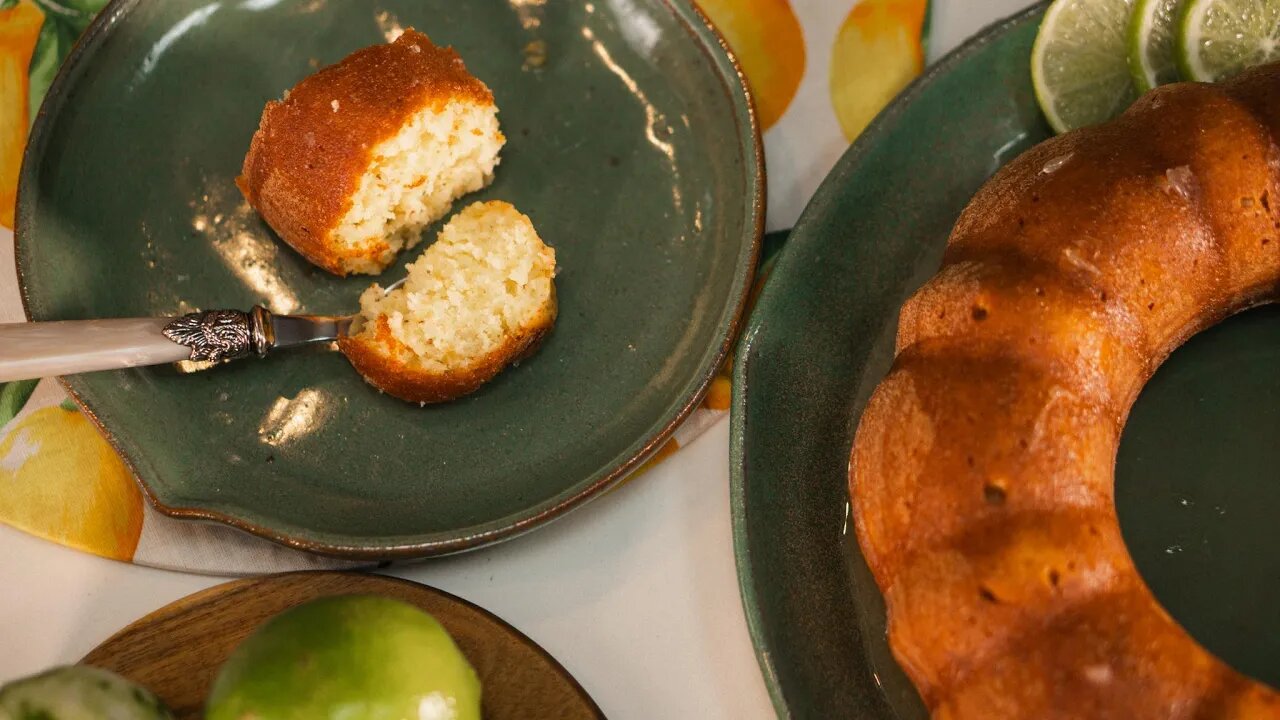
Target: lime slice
<point>1152,39</point>
<point>1080,65</point>
<point>1219,38</point>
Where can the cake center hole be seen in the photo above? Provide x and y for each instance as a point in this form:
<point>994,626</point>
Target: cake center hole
<point>1198,489</point>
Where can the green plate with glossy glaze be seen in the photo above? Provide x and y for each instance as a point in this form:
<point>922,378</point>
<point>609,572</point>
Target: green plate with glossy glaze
<point>1196,474</point>
<point>632,146</point>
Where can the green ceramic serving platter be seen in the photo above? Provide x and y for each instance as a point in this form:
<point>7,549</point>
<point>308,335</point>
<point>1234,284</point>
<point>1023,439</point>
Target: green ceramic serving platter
<point>1196,473</point>
<point>632,145</point>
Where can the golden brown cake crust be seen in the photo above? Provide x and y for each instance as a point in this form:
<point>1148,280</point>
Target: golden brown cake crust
<point>982,472</point>
<point>375,358</point>
<point>312,147</point>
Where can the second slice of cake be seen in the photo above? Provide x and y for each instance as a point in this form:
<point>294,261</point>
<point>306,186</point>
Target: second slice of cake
<point>479,298</point>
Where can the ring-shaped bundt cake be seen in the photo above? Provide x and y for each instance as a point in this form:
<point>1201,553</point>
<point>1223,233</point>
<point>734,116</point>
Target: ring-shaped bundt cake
<point>982,474</point>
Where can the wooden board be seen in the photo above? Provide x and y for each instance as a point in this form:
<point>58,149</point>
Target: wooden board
<point>176,651</point>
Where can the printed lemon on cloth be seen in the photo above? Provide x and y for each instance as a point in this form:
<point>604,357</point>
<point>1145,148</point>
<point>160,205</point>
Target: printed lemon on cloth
<point>766,37</point>
<point>819,71</point>
<point>890,31</point>
<point>60,480</point>
<point>19,31</point>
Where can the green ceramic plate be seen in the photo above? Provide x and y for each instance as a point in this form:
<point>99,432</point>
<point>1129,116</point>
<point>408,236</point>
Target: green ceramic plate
<point>632,147</point>
<point>1196,488</point>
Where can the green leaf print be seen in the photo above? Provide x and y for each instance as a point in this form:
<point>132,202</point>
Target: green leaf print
<point>64,20</point>
<point>51,47</point>
<point>926,30</point>
<point>13,396</point>
<point>6,4</point>
<point>75,13</point>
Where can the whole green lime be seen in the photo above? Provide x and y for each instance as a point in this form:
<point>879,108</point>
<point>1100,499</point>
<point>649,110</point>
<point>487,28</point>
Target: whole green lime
<point>351,657</point>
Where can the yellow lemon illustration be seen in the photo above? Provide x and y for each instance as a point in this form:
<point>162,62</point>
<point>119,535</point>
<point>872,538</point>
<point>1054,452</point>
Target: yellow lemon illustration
<point>61,481</point>
<point>667,450</point>
<point>720,394</point>
<point>877,52</point>
<point>766,37</point>
<point>19,29</point>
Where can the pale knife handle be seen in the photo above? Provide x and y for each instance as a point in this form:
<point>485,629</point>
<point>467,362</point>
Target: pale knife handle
<point>46,349</point>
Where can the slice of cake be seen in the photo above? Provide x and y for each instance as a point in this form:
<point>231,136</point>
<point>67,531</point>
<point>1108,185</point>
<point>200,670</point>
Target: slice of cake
<point>359,157</point>
<point>481,297</point>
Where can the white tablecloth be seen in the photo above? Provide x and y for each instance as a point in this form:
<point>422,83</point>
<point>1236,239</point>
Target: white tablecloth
<point>636,594</point>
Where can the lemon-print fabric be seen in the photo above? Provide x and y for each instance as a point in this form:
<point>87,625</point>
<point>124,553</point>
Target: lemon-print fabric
<point>819,71</point>
<point>60,480</point>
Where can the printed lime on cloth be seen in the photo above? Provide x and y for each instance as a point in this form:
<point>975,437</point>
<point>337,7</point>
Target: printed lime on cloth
<point>820,71</point>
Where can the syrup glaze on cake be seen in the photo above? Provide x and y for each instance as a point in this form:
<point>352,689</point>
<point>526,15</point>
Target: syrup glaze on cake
<point>982,473</point>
